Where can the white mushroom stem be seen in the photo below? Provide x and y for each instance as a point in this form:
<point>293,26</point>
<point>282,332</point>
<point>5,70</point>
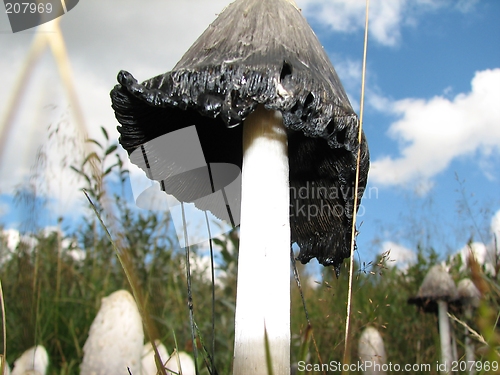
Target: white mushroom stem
<point>471,297</point>
<point>263,291</point>
<point>470,356</point>
<point>445,335</point>
<point>454,350</point>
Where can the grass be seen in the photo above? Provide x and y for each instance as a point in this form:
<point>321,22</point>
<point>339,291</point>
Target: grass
<point>51,299</point>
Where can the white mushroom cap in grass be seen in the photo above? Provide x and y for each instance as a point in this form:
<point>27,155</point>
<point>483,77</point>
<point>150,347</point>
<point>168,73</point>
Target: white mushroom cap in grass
<point>437,286</point>
<point>185,361</point>
<point>371,351</point>
<point>33,361</point>
<point>468,293</point>
<point>116,338</point>
<point>148,358</point>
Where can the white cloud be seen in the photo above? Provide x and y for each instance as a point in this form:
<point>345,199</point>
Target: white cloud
<point>431,133</point>
<point>10,240</point>
<point>466,5</point>
<point>387,17</point>
<point>201,265</point>
<point>101,39</point>
<point>4,209</point>
<point>486,254</point>
<point>483,254</point>
<point>349,72</point>
<point>495,226</point>
<point>399,256</point>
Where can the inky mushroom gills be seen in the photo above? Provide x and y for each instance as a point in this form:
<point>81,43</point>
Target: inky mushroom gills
<point>259,52</point>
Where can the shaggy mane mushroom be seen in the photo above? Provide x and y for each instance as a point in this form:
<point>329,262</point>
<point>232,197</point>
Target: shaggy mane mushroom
<point>469,298</point>
<point>436,292</point>
<point>263,95</point>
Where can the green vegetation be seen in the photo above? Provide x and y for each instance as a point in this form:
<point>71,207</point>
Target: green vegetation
<point>51,296</point>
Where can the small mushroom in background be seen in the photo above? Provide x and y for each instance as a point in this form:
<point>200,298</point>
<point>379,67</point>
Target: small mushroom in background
<point>180,363</point>
<point>116,337</point>
<point>148,358</point>
<point>263,95</point>
<point>469,298</point>
<point>371,352</point>
<point>33,361</point>
<point>437,290</point>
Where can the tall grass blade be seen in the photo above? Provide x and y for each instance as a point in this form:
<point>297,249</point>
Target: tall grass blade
<point>4,331</point>
<point>189,290</point>
<point>355,203</point>
<point>212,274</point>
<point>210,363</point>
<point>37,48</point>
<point>269,360</point>
<point>309,330</point>
<point>304,348</point>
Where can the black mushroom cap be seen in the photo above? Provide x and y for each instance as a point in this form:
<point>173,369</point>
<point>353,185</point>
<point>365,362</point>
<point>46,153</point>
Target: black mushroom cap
<point>259,52</point>
<point>437,286</point>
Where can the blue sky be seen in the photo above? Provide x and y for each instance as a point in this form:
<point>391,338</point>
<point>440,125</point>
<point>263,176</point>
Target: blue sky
<point>432,112</point>
<point>425,73</point>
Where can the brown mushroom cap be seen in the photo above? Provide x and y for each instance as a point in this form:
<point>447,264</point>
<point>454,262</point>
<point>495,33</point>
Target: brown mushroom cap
<point>259,52</point>
<point>437,286</point>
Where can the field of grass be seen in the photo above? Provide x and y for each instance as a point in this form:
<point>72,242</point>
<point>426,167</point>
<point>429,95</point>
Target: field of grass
<point>51,296</point>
